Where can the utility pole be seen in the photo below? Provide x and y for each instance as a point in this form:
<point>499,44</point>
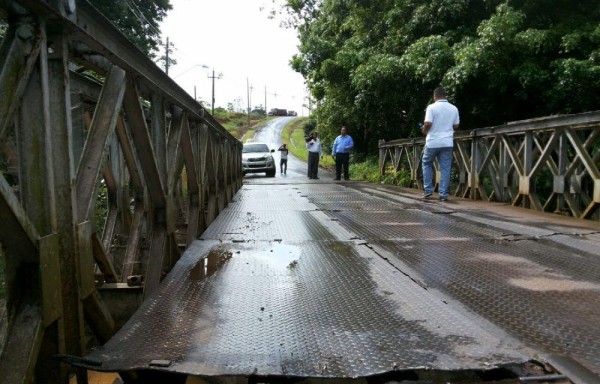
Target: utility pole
<point>266,100</point>
<point>213,77</point>
<point>248,92</point>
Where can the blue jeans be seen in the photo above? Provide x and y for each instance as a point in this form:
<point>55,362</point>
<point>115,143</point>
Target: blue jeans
<point>444,156</point>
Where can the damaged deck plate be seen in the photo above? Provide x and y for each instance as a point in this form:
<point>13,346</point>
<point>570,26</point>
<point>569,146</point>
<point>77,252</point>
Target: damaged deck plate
<point>290,292</point>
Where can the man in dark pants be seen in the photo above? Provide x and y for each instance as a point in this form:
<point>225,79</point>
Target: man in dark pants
<point>313,144</point>
<point>284,154</point>
<point>341,151</point>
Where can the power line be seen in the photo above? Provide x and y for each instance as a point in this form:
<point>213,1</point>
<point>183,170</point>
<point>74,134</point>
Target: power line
<point>140,15</point>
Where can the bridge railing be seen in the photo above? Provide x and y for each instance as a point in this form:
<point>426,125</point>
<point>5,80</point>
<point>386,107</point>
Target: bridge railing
<point>108,169</point>
<point>548,164</point>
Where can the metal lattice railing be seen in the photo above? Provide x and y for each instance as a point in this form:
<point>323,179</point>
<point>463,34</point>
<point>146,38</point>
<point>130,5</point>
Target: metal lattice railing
<point>548,164</point>
<point>108,170</point>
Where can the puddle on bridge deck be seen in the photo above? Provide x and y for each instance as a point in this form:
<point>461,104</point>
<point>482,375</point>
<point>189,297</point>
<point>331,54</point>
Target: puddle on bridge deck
<point>210,264</point>
<point>284,255</point>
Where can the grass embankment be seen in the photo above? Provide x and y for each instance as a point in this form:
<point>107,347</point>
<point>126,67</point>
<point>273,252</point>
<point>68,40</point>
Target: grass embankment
<point>294,136</point>
<point>237,123</point>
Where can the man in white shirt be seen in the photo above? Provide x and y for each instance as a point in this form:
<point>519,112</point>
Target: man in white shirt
<point>441,119</point>
<point>313,144</point>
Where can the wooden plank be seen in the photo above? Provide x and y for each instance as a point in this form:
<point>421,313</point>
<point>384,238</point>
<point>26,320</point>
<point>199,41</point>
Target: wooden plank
<point>103,124</point>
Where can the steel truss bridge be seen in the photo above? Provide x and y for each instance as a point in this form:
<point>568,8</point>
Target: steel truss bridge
<point>547,164</point>
<point>109,171</point>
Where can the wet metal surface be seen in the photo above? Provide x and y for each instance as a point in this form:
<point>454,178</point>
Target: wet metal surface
<point>285,289</point>
<point>538,279</point>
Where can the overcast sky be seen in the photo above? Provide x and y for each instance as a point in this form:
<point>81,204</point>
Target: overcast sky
<point>240,42</point>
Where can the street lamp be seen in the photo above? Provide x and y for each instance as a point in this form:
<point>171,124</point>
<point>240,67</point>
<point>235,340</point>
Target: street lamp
<point>189,69</point>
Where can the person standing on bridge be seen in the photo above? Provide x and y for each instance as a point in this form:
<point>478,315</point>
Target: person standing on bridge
<point>313,144</point>
<point>284,154</point>
<point>441,119</point>
<point>341,152</point>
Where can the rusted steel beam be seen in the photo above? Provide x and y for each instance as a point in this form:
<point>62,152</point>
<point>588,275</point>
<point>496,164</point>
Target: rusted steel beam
<point>22,344</point>
<point>575,121</point>
<point>133,244</point>
<point>188,155</point>
<point>158,133</point>
<point>17,234</point>
<point>130,157</point>
<point>109,227</point>
<point>98,317</point>
<point>156,263</point>
<point>104,263</point>
<point>58,135</point>
<point>50,279</point>
<point>103,124</point>
<point>18,55</point>
<point>141,139</point>
<point>174,151</point>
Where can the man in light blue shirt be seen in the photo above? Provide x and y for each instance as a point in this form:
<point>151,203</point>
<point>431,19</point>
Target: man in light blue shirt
<point>441,119</point>
<point>341,152</point>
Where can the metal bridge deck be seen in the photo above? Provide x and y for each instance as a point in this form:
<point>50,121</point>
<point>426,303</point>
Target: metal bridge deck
<point>354,280</point>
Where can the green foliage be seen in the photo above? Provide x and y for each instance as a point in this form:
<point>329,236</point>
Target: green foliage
<point>367,170</point>
<point>401,177</point>
<point>372,65</point>
<point>139,20</point>
<point>101,207</point>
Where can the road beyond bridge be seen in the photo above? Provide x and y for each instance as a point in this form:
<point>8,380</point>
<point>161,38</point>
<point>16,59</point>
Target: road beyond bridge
<point>322,279</point>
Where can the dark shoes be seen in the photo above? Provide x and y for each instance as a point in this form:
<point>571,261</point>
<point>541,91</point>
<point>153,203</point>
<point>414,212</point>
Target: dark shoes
<point>426,195</point>
<point>443,198</point>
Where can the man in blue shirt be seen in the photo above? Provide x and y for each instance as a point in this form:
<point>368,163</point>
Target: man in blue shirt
<point>341,151</point>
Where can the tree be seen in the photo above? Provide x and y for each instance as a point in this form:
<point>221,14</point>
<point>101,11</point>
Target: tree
<point>372,65</point>
<point>139,20</point>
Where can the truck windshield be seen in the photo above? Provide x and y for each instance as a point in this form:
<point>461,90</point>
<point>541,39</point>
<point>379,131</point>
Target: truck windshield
<point>255,148</point>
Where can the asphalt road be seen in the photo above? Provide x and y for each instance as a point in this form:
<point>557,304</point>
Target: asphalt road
<point>297,169</point>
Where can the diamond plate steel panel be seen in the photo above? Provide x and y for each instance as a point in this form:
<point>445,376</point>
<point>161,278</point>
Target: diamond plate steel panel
<point>545,294</point>
<point>247,226</point>
<point>411,224</point>
<point>280,285</point>
<point>327,309</point>
<point>529,277</point>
